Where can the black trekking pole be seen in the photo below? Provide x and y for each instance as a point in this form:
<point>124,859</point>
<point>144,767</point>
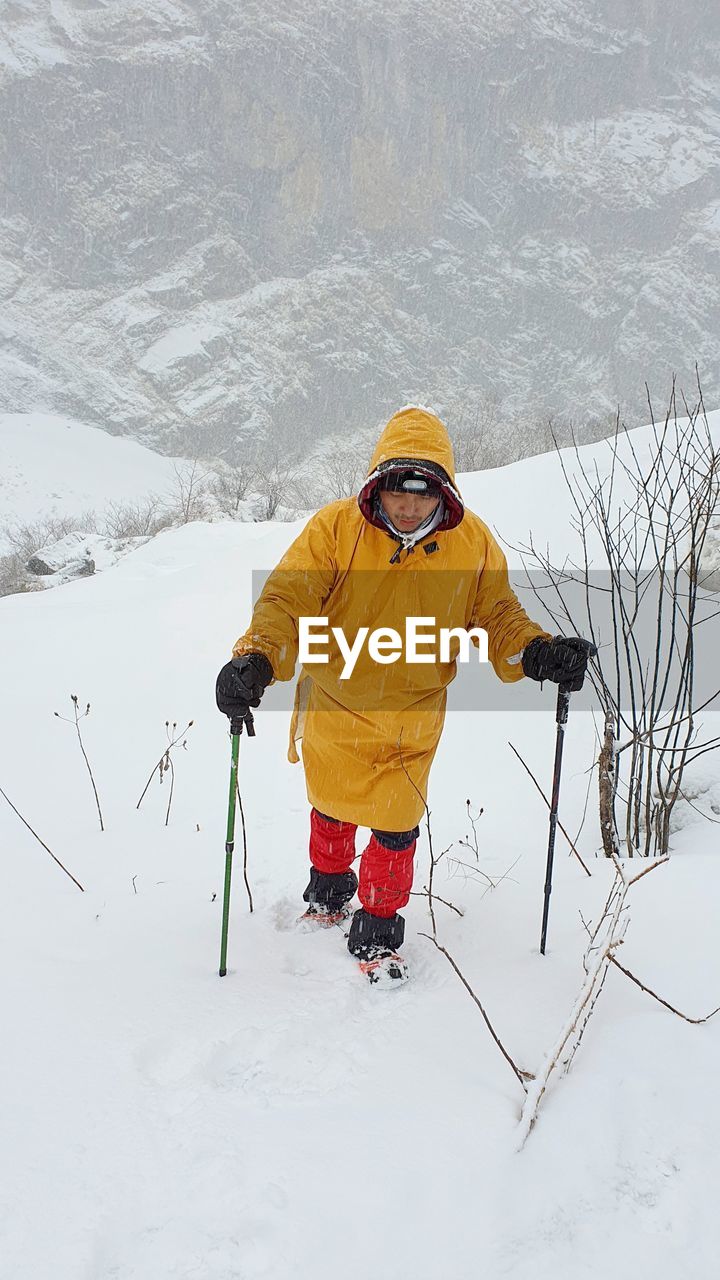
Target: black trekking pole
<point>561,715</point>
<point>573,685</point>
<point>236,728</point>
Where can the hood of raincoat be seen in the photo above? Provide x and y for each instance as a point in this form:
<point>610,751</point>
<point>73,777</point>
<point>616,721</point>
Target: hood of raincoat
<point>414,437</point>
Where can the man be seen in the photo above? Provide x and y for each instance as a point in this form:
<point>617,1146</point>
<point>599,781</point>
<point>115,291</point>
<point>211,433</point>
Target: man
<point>406,546</point>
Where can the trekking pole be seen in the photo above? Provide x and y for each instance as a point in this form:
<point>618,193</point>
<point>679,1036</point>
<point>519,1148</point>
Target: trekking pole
<point>572,685</point>
<point>236,727</point>
<point>561,715</point>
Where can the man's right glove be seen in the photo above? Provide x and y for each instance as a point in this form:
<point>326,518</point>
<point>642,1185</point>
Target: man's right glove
<point>241,684</point>
<point>563,660</point>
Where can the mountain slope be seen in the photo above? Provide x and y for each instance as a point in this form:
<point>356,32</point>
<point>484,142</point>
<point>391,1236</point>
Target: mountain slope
<point>288,220</point>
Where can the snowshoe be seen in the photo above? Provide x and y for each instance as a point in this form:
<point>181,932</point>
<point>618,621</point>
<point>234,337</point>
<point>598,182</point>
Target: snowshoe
<point>383,968</point>
<point>373,941</point>
<point>320,916</point>
<point>328,899</point>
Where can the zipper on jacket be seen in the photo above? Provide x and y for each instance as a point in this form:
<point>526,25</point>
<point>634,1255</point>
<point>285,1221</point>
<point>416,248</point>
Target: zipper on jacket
<point>428,549</point>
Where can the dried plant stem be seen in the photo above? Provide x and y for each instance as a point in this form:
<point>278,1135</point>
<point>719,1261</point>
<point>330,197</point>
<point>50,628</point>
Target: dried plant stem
<point>433,860</point>
<point>165,763</point>
<point>425,893</point>
<point>171,768</point>
<point>87,762</point>
<point>475,872</point>
<point>431,876</point>
<point>547,802</point>
<point>522,1076</point>
<point>245,848</point>
<point>76,721</point>
<point>474,847</point>
<point>42,842</point>
<point>696,1022</point>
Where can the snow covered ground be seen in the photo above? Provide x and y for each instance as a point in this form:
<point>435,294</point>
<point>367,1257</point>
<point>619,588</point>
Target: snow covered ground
<point>287,1120</point>
<point>55,466</point>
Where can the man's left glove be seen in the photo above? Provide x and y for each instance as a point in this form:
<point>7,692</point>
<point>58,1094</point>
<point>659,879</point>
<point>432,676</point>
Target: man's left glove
<point>241,684</point>
<point>563,660</point>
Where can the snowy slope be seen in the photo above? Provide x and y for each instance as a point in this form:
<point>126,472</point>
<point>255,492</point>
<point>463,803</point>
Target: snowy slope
<point>531,497</point>
<point>51,465</point>
<point>287,1120</point>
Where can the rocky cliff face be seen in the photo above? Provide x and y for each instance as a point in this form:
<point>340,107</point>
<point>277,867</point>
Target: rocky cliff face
<point>222,218</point>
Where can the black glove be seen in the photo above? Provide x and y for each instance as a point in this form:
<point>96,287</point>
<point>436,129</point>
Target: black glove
<point>563,660</point>
<point>241,684</point>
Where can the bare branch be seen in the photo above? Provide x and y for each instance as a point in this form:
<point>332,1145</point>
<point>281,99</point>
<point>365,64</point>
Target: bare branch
<point>648,990</point>
<point>547,802</point>
<point>603,941</point>
<point>42,842</point>
<point>76,721</point>
<point>522,1076</point>
<point>425,893</point>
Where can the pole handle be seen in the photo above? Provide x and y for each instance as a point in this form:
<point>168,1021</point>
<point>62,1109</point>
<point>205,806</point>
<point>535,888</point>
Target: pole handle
<point>237,722</point>
<point>563,704</point>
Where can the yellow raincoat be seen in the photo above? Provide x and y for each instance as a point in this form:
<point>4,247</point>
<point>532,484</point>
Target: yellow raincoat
<point>368,741</point>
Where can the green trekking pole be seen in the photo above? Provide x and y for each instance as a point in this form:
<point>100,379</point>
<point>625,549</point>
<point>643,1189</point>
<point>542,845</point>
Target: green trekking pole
<point>236,727</point>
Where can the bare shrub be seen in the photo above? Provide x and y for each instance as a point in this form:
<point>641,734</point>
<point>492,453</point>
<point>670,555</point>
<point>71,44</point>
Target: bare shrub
<point>492,435</point>
<point>231,484</point>
<point>646,612</point>
<point>190,497</point>
<point>336,470</point>
<point>14,578</point>
<point>473,436</point>
<point>278,483</point>
<point>27,537</point>
<point>142,519</point>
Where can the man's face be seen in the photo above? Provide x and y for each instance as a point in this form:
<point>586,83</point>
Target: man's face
<point>408,510</point>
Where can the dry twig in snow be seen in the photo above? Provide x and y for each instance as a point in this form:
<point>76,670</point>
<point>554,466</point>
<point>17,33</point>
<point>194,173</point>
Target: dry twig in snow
<point>165,763</point>
<point>521,1076</point>
<point>245,848</point>
<point>77,717</point>
<point>42,842</point>
<point>547,802</point>
<point>697,1022</point>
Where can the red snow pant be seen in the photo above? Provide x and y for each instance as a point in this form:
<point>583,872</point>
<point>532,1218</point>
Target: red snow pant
<point>386,865</point>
